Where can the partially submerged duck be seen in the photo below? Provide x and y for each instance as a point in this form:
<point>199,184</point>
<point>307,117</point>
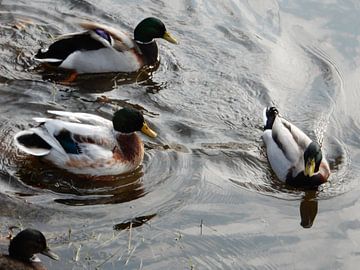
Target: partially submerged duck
<point>100,48</point>
<point>88,144</point>
<point>293,156</point>
<point>22,250</point>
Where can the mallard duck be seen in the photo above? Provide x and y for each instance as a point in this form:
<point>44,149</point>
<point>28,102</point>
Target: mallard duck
<point>88,144</point>
<point>22,250</point>
<point>101,48</point>
<point>293,156</point>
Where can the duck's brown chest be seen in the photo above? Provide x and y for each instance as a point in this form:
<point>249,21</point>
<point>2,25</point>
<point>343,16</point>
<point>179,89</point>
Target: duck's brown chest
<point>130,148</point>
<point>7,263</point>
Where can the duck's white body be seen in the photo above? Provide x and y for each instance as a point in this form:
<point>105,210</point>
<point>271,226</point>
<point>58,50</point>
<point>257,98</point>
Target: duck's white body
<point>107,60</point>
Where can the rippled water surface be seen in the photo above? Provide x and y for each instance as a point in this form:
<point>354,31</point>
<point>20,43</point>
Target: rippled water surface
<point>204,197</point>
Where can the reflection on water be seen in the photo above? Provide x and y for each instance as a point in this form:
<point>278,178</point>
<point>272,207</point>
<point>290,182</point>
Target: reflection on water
<point>80,190</point>
<point>99,83</point>
<point>308,209</point>
<point>133,223</point>
<point>208,164</point>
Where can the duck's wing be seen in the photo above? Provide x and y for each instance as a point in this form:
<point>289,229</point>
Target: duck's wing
<point>83,141</point>
<point>120,40</point>
<point>84,118</point>
<point>290,139</point>
<point>298,136</point>
<point>67,45</point>
<point>90,141</point>
<point>66,138</point>
<point>281,149</point>
<point>95,37</point>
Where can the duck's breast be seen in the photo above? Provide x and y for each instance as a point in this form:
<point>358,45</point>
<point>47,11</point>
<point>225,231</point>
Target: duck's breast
<point>7,263</point>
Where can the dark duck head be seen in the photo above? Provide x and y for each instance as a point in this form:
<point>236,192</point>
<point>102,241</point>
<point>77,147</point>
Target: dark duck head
<point>22,250</point>
<point>149,29</point>
<point>145,33</point>
<point>312,159</point>
<point>315,173</point>
<point>27,243</point>
<point>129,120</point>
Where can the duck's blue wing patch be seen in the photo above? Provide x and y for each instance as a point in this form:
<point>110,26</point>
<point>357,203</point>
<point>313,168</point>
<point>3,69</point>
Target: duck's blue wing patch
<point>68,143</point>
<point>102,33</point>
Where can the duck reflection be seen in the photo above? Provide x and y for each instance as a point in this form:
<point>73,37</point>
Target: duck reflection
<point>309,202</point>
<point>77,190</point>
<point>103,82</point>
<point>308,209</point>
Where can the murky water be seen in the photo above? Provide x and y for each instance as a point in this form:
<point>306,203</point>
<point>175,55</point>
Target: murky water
<point>204,197</point>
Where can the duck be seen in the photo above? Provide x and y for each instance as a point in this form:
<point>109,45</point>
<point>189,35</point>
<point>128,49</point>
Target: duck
<point>88,144</point>
<point>293,156</point>
<point>100,48</point>
<point>22,250</point>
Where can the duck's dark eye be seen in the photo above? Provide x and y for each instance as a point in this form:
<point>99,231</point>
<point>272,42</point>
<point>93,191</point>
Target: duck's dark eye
<point>39,242</point>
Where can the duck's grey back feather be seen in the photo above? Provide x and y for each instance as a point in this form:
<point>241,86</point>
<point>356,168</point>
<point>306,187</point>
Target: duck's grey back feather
<point>84,118</point>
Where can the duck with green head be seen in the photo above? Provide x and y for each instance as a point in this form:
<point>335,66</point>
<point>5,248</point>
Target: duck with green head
<point>100,48</point>
<point>22,250</point>
<point>87,144</point>
<point>293,156</point>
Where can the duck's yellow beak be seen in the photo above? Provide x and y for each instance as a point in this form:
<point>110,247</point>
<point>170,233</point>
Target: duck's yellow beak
<point>167,36</point>
<point>148,131</point>
<point>310,168</point>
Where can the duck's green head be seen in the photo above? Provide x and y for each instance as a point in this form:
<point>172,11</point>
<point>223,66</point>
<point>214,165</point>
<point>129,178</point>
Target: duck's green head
<point>151,28</point>
<point>312,159</point>
<point>129,120</point>
<point>27,243</point>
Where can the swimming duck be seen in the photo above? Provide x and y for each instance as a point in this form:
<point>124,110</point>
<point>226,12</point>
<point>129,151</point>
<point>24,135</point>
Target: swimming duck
<point>22,250</point>
<point>101,48</point>
<point>88,144</point>
<point>293,156</point>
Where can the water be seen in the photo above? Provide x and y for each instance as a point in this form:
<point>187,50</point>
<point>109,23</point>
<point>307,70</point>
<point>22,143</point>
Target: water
<point>204,197</point>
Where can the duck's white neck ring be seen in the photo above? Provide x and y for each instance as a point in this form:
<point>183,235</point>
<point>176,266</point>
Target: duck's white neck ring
<point>140,42</point>
<point>34,258</point>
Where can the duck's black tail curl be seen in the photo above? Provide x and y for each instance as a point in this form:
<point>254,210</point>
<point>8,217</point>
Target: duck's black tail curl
<point>31,143</point>
<point>269,117</point>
